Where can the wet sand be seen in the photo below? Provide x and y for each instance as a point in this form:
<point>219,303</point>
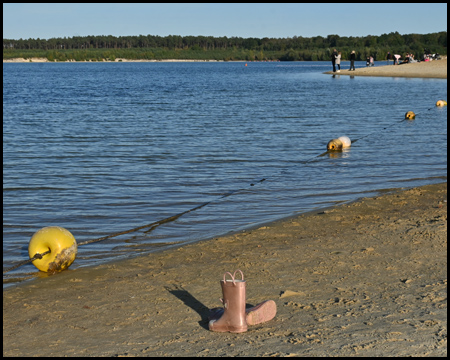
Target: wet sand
<point>362,279</point>
<point>432,69</point>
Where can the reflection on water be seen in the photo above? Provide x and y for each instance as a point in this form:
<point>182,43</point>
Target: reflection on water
<point>341,154</point>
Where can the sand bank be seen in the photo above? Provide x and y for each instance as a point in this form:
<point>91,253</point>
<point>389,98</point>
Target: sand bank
<point>361,279</point>
<point>432,69</point>
<point>41,60</point>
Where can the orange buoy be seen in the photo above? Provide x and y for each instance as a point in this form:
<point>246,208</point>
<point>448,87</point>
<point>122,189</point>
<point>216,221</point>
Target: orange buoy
<point>441,103</point>
<point>334,145</point>
<point>410,115</point>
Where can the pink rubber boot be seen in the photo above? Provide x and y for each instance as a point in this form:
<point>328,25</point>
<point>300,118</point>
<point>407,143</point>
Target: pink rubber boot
<point>233,317</point>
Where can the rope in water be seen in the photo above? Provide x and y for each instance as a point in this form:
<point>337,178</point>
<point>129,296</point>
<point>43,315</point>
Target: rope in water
<point>35,257</point>
<point>176,216</point>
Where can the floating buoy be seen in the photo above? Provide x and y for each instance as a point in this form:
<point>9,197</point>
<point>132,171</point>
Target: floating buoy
<point>346,142</point>
<point>62,246</point>
<point>245,64</point>
<point>441,103</point>
<point>410,115</point>
<point>334,144</point>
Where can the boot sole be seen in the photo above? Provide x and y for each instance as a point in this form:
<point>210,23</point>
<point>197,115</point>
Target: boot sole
<point>261,313</point>
<point>222,328</point>
<point>256,315</point>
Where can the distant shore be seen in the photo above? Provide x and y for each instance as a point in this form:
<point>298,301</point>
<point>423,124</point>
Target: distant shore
<point>430,69</point>
<point>42,60</point>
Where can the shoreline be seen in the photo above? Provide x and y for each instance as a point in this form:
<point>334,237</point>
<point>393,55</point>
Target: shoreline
<point>367,278</point>
<point>433,69</point>
<point>45,60</point>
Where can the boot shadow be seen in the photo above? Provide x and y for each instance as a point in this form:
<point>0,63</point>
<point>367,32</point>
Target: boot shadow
<point>189,300</point>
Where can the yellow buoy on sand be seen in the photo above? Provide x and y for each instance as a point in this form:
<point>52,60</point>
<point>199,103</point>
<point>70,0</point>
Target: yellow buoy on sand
<point>346,142</point>
<point>410,115</point>
<point>62,246</point>
<point>334,144</point>
<point>441,103</point>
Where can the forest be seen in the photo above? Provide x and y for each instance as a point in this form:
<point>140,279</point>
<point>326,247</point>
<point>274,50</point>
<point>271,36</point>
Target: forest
<point>152,47</point>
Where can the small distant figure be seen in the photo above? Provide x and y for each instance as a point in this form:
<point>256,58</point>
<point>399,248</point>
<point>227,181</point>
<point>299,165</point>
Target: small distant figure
<point>334,55</point>
<point>371,61</point>
<point>352,60</point>
<point>338,61</point>
<point>368,61</point>
<point>396,59</point>
<point>406,60</point>
<point>388,57</point>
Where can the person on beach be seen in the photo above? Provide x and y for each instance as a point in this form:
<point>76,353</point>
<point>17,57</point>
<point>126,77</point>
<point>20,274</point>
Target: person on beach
<point>371,61</point>
<point>406,60</point>
<point>396,59</point>
<point>388,57</point>
<point>334,55</point>
<point>367,61</point>
<point>411,59</point>
<point>338,61</point>
<point>352,60</point>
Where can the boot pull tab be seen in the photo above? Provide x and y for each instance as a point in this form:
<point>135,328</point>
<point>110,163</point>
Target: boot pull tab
<point>242,274</point>
<point>232,277</point>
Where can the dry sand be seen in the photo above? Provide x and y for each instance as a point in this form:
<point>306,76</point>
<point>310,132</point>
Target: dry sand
<point>362,279</point>
<point>429,69</point>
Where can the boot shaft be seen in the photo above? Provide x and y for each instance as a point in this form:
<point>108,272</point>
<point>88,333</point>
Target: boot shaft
<point>234,294</point>
<point>233,318</point>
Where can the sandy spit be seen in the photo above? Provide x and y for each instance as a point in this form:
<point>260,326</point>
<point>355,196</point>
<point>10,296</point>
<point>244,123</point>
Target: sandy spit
<point>362,279</point>
<point>41,60</point>
<point>432,69</point>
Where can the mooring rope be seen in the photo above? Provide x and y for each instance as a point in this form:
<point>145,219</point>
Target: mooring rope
<point>35,257</point>
<point>154,224</point>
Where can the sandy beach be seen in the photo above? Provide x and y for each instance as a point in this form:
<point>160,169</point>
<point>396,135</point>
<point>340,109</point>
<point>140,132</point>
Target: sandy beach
<point>362,279</point>
<point>432,69</point>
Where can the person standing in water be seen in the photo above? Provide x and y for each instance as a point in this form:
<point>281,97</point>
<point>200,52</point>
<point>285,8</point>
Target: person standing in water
<point>388,57</point>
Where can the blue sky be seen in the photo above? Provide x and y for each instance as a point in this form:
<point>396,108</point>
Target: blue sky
<point>281,20</point>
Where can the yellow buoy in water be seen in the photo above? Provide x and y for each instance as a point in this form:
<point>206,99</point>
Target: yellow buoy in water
<point>410,115</point>
<point>346,142</point>
<point>62,246</point>
<point>441,103</point>
<point>334,144</point>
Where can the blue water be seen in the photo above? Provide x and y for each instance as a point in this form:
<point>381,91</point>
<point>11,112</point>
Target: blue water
<point>99,148</point>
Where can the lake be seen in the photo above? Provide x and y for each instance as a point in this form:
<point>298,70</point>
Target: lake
<point>100,148</point>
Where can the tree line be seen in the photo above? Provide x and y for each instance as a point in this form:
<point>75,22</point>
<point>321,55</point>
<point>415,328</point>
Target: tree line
<point>153,47</point>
